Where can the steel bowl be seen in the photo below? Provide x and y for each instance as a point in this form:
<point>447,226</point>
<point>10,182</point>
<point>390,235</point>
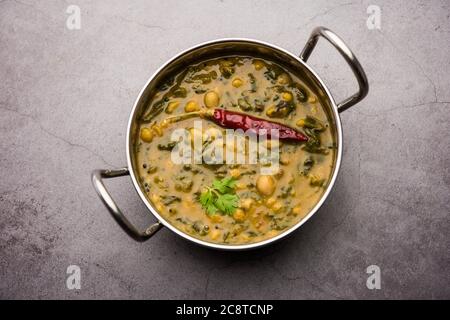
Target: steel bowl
<point>223,47</point>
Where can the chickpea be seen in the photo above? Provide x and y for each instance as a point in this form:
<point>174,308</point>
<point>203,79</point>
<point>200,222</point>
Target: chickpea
<point>164,124</point>
<point>244,238</point>
<point>214,234</point>
<point>265,185</point>
<point>300,123</point>
<point>146,135</point>
<point>316,180</point>
<point>273,144</point>
<point>258,64</point>
<point>284,159</point>
<point>155,197</point>
<point>291,179</point>
<point>246,204</point>
<point>158,179</point>
<point>283,79</point>
<point>157,129</point>
<point>286,96</point>
<point>312,99</point>
<point>297,209</point>
<point>237,82</point>
<point>241,186</point>
<point>172,106</point>
<point>260,224</point>
<point>272,233</point>
<point>186,204</point>
<point>211,99</point>
<point>196,133</point>
<point>271,110</point>
<point>191,106</point>
<point>216,218</point>
<point>235,173</point>
<point>270,202</point>
<point>277,206</point>
<point>239,215</point>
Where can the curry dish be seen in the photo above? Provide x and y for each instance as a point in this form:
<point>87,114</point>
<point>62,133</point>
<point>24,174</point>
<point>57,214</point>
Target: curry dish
<point>235,203</point>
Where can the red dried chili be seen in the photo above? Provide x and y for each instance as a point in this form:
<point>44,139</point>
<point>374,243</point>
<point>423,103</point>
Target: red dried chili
<point>235,120</point>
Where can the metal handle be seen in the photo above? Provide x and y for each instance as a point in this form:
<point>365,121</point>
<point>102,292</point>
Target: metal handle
<point>97,181</point>
<point>348,56</point>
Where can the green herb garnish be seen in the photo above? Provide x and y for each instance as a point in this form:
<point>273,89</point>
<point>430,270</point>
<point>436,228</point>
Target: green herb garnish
<point>220,197</point>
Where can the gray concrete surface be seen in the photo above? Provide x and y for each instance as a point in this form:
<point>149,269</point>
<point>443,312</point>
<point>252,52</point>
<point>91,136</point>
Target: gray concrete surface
<point>65,97</point>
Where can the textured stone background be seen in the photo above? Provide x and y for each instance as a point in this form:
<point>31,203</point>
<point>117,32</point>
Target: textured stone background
<point>65,97</point>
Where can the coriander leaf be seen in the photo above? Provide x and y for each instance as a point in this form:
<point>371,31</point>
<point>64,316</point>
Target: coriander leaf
<point>207,201</point>
<point>220,197</point>
<point>211,209</point>
<point>206,198</point>
<point>227,203</point>
<point>226,185</point>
